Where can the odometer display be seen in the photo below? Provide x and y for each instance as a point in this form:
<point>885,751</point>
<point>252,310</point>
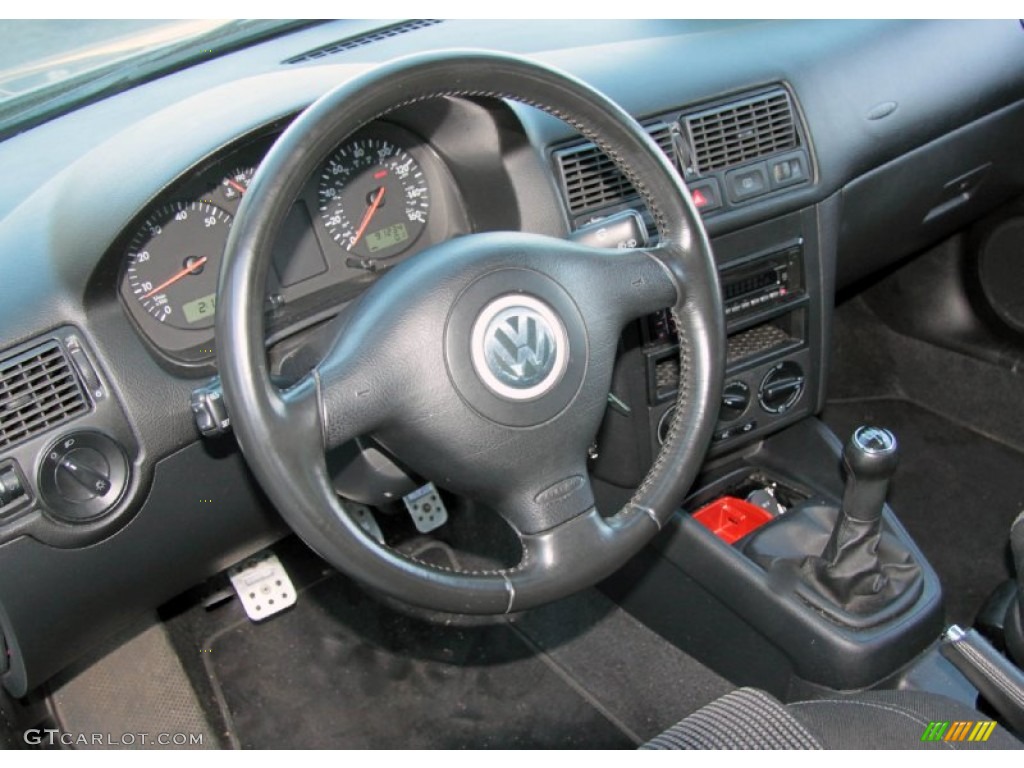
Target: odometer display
<point>373,198</point>
<point>387,237</point>
<point>198,310</point>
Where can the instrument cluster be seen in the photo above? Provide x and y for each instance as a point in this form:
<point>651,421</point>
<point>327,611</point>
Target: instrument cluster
<point>378,198</point>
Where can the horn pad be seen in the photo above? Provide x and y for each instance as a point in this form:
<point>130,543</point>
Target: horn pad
<point>516,347</point>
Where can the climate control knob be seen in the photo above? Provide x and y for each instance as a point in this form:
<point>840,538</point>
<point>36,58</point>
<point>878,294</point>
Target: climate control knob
<point>735,399</point>
<point>781,387</point>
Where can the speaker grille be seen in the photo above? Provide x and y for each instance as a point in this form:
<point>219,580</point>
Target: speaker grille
<point>1001,271</point>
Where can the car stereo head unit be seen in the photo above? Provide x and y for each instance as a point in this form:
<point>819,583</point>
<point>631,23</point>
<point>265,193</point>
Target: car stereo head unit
<point>751,285</point>
<point>759,283</point>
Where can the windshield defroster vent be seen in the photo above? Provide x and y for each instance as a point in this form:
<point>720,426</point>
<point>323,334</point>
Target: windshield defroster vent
<point>591,181</point>
<point>741,131</point>
<point>38,390</point>
<point>358,41</point>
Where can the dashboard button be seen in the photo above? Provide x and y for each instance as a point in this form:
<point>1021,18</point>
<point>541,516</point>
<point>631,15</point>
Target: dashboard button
<point>789,170</point>
<point>706,195</point>
<point>747,182</point>
<point>10,487</point>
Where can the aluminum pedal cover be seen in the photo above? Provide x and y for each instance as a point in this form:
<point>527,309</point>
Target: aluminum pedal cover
<point>427,510</point>
<point>364,518</point>
<point>262,585</point>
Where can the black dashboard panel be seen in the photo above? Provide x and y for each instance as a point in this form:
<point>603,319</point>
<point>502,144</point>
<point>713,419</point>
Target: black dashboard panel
<point>78,189</point>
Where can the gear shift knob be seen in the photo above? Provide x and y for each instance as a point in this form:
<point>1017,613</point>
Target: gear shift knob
<point>870,457</point>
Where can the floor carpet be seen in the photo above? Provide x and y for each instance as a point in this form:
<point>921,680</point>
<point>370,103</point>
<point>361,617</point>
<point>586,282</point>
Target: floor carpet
<point>342,669</point>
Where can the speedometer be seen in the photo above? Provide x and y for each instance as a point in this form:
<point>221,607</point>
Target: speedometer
<point>373,199</point>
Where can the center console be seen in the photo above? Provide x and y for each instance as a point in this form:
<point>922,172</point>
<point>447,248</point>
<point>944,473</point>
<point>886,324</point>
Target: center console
<point>832,593</point>
<point>774,278</point>
<point>766,308</point>
<point>753,609</point>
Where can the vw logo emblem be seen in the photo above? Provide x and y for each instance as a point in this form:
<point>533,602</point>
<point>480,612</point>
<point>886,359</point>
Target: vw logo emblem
<point>519,347</point>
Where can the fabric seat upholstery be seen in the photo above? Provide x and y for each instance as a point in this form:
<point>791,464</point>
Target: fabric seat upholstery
<point>749,718</point>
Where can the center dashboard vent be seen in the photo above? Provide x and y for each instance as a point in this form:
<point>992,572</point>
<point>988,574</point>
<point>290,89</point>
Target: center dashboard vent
<point>741,131</point>
<point>358,41</point>
<point>710,142</point>
<point>590,179</point>
<point>38,390</point>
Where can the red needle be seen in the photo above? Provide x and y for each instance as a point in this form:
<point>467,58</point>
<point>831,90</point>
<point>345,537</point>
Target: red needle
<point>377,200</point>
<point>189,270</point>
<point>236,186</point>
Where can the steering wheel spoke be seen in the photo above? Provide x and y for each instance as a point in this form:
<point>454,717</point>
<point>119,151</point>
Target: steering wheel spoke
<point>575,554</point>
<point>631,283</point>
<point>546,498</point>
<point>354,398</point>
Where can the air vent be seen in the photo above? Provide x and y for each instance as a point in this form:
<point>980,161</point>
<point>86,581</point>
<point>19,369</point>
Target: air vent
<point>741,131</point>
<point>38,390</point>
<point>591,181</point>
<point>358,41</point>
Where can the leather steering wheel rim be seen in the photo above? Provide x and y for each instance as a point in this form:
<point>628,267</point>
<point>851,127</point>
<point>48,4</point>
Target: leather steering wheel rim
<point>495,449</point>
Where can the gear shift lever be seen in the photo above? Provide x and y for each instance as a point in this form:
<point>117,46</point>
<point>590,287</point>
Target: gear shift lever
<point>870,458</point>
<point>854,570</point>
<point>847,560</point>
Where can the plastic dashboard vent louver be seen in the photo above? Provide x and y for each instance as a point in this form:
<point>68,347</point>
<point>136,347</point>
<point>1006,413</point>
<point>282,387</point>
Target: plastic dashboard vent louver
<point>38,390</point>
<point>741,131</point>
<point>591,181</point>
<point>358,41</point>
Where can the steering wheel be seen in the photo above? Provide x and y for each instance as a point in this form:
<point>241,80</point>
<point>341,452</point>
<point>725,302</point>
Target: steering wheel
<point>483,363</point>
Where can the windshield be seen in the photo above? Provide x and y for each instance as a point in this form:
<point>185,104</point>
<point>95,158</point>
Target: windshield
<point>41,53</point>
<point>50,66</point>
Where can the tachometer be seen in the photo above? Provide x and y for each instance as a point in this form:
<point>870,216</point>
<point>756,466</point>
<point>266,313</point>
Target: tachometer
<point>173,262</point>
<point>373,198</point>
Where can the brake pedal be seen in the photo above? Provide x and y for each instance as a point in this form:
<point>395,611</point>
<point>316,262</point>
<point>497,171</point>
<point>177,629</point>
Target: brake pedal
<point>426,508</point>
<point>262,585</point>
<point>364,518</point>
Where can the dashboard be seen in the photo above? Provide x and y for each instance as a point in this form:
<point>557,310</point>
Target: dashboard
<point>813,166</point>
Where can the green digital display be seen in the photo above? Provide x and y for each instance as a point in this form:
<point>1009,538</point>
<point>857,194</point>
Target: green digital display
<point>200,308</point>
<point>387,237</point>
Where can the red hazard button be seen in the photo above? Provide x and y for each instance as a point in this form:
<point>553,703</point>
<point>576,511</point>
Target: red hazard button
<point>705,195</point>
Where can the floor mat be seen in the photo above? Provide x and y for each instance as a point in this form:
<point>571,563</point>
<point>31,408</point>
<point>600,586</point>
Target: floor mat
<point>343,670</point>
<point>132,685</point>
<point>956,491</point>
